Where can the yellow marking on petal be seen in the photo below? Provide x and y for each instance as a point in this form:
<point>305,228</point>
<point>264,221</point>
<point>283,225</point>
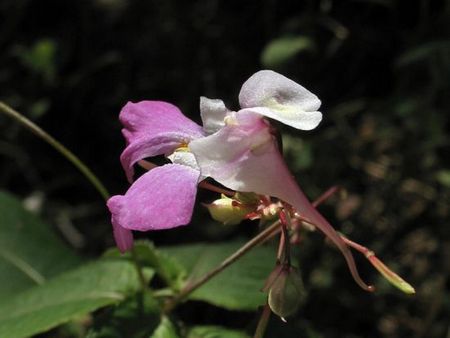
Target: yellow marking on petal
<point>230,120</point>
<point>183,148</point>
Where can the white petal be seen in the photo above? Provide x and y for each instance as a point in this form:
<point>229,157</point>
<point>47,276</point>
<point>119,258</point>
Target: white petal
<point>290,116</point>
<point>184,157</point>
<point>275,96</point>
<point>213,112</point>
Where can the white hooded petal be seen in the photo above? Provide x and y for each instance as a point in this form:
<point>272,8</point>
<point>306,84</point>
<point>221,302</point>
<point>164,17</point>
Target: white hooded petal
<point>275,96</point>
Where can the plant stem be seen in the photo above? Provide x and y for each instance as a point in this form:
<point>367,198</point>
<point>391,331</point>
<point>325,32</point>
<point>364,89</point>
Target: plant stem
<point>262,323</point>
<point>35,129</point>
<point>281,245</point>
<point>326,195</point>
<point>285,220</point>
<point>189,288</point>
<point>138,267</point>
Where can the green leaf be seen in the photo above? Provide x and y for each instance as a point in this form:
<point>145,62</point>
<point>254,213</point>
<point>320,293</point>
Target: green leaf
<point>67,296</point>
<point>238,286</point>
<point>165,330</point>
<point>30,252</point>
<point>168,268</point>
<point>214,332</point>
<point>136,317</point>
<point>281,50</point>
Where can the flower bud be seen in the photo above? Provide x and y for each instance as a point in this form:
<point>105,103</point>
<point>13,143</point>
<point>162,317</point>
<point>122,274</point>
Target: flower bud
<point>286,293</point>
<point>229,211</point>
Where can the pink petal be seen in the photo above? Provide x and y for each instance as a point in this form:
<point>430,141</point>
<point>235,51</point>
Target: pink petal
<point>244,157</point>
<point>152,128</point>
<point>162,198</point>
<point>275,96</point>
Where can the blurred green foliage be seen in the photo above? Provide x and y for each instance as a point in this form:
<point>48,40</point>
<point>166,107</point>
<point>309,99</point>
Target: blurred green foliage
<point>28,265</point>
<point>381,69</point>
<point>280,51</point>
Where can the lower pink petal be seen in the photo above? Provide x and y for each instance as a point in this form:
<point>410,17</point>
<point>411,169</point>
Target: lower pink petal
<point>162,198</point>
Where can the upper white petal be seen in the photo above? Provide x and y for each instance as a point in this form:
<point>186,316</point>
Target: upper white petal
<point>275,96</point>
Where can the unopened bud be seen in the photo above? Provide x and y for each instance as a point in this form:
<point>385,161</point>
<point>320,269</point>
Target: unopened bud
<point>229,211</point>
<point>286,292</point>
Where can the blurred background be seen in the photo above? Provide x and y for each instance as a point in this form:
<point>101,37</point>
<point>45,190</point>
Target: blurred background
<point>380,67</point>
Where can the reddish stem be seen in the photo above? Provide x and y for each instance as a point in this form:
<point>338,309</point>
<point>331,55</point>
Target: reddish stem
<point>326,195</point>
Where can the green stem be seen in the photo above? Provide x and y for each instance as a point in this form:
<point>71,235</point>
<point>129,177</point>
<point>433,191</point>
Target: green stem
<point>189,288</point>
<point>24,121</point>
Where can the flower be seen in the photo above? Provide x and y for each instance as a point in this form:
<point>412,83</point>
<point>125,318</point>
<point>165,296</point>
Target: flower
<point>243,154</point>
<point>163,197</point>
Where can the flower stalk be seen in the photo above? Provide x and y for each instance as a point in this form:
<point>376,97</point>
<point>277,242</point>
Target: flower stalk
<point>38,131</point>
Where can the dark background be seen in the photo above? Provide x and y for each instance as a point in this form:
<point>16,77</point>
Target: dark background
<point>381,69</point>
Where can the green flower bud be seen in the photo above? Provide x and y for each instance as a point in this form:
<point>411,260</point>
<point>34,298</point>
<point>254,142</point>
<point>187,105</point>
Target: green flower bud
<point>286,293</point>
